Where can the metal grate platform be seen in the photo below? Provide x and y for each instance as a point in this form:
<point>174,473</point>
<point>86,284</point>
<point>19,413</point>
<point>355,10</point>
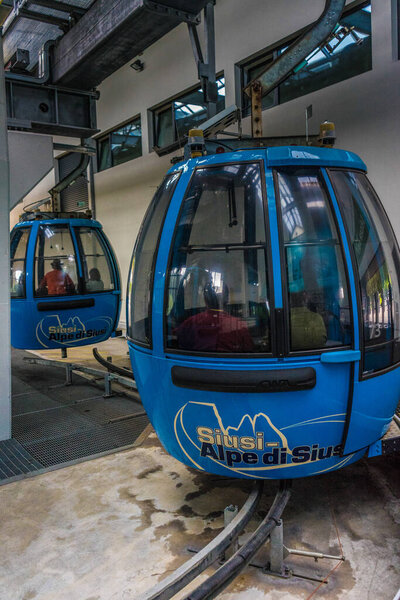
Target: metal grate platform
<point>15,460</point>
<point>82,444</point>
<point>54,424</point>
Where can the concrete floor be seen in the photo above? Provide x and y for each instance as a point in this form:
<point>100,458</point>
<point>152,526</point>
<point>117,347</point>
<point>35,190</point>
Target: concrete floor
<point>110,528</point>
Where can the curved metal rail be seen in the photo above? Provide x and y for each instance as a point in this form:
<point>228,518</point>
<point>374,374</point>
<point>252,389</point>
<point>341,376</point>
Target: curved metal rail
<point>310,40</point>
<point>231,569</point>
<point>199,562</point>
<point>113,368</point>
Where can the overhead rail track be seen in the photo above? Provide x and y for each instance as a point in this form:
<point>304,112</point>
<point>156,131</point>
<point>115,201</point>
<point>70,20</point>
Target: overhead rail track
<point>291,60</point>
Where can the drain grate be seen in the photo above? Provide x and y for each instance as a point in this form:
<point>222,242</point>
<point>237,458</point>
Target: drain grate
<point>15,460</point>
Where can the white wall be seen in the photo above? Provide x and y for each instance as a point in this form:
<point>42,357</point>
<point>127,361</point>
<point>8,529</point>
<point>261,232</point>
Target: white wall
<point>365,108</point>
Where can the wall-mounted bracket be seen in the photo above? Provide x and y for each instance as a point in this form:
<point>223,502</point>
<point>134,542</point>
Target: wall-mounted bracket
<point>206,66</point>
<point>170,11</point>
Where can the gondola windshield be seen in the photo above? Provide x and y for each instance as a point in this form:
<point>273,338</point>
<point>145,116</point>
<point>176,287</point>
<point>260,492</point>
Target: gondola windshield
<point>218,292</point>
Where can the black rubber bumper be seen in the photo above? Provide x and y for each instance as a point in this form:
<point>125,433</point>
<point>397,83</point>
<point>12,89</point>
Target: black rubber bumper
<point>253,382</point>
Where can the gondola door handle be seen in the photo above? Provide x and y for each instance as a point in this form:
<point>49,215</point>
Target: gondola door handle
<point>343,356</point>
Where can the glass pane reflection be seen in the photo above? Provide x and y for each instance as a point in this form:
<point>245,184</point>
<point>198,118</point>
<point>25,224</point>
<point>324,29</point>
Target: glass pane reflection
<point>319,309</point>
<point>378,261</point>
<point>218,298</point>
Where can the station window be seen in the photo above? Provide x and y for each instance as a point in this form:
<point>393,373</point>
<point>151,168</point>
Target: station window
<point>120,145</point>
<point>378,263</point>
<point>173,119</point>
<point>55,262</point>
<point>18,248</point>
<point>326,66</point>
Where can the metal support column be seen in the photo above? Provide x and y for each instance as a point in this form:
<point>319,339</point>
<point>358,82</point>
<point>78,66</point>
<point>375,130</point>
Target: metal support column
<point>206,66</point>
<point>209,35</point>
<point>5,352</point>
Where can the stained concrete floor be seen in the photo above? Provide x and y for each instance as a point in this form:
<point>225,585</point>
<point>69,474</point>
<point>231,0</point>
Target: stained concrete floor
<point>110,528</point>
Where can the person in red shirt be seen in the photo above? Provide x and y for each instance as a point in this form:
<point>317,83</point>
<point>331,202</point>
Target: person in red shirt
<point>56,282</point>
<point>214,330</point>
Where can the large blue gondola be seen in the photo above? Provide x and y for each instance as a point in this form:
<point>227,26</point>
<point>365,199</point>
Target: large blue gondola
<point>65,283</point>
<point>264,313</point>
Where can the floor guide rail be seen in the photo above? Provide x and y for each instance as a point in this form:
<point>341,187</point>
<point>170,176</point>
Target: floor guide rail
<point>232,568</point>
<point>111,367</point>
<point>180,578</point>
<point>96,373</point>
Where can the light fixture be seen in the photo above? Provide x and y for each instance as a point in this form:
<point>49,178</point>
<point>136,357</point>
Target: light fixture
<point>138,65</point>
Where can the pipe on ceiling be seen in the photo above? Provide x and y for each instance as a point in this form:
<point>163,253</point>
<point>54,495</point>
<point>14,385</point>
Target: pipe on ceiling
<point>311,39</point>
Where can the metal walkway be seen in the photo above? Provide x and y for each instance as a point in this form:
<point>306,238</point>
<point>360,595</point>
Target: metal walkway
<point>54,425</point>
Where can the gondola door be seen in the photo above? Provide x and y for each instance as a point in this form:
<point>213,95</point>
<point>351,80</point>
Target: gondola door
<point>316,327</point>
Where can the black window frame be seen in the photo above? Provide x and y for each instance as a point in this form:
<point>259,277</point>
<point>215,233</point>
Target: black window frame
<point>15,232</point>
<point>155,110</point>
<point>81,258</point>
<point>396,20</point>
<point>362,376</point>
<point>140,343</point>
<point>285,288</point>
<point>79,279</point>
<point>258,58</point>
<point>269,275</point>
<point>107,136</point>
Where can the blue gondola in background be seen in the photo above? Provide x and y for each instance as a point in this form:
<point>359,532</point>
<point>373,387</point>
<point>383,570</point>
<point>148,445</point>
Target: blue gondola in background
<point>263,312</point>
<point>65,283</point>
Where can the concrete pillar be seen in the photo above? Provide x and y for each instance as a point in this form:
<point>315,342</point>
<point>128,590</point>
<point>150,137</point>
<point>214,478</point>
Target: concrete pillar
<point>5,330</point>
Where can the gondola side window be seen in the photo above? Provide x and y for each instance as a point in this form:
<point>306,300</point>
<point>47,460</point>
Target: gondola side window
<point>140,283</point>
<point>378,262</point>
<point>97,270</point>
<point>18,248</point>
<point>217,298</point>
<point>318,299</point>
<point>55,262</point>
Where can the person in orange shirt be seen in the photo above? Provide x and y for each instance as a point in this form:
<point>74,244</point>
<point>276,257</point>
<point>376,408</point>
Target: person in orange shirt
<point>56,282</point>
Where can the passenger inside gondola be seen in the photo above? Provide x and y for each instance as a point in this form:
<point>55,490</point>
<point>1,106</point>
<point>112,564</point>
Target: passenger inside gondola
<point>56,282</point>
<point>214,329</point>
<point>94,283</point>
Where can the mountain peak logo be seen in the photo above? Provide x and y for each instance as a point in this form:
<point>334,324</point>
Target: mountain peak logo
<point>51,331</point>
<point>251,448</point>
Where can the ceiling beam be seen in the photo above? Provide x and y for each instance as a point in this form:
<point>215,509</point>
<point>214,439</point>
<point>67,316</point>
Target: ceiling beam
<point>111,33</point>
<point>44,18</point>
<point>61,6</point>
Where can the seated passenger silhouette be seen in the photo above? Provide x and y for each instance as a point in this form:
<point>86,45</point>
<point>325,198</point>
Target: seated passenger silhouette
<point>94,284</point>
<point>214,330</point>
<point>307,328</point>
<point>56,282</point>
